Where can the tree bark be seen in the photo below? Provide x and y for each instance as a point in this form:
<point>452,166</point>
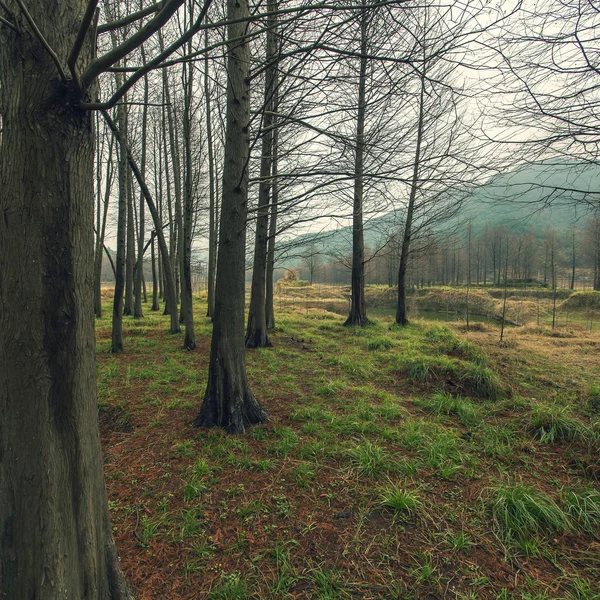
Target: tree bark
<point>55,535</point>
<point>228,400</point>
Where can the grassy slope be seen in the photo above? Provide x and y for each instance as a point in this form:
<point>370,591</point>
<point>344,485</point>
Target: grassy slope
<point>397,463</point>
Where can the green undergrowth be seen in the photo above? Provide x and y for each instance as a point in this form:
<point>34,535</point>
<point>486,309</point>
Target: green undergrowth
<point>397,462</point>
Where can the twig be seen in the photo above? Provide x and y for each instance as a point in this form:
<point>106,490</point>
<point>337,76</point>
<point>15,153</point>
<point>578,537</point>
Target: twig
<point>43,41</point>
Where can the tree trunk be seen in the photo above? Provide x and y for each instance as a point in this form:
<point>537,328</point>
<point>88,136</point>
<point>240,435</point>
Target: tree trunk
<point>228,400</point>
<point>130,260</point>
<point>169,279</point>
<point>187,312</point>
<point>358,308</point>
<point>401,308</point>
<point>155,305</point>
<point>212,226</point>
<point>101,230</point>
<point>55,535</point>
<point>270,304</point>
<point>139,271</point>
<point>117,318</point>
<point>256,333</point>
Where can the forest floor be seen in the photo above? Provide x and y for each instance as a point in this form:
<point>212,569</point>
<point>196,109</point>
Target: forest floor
<point>418,462</point>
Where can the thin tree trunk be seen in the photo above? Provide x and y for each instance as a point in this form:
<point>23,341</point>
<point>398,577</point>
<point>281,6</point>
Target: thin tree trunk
<point>228,401</point>
<point>139,271</point>
<point>256,332</point>
<point>212,226</point>
<point>270,305</point>
<point>187,312</point>
<point>55,534</point>
<point>117,318</point>
<point>358,308</point>
<point>169,280</point>
<point>130,257</point>
<point>401,308</point>
<point>155,305</point>
<point>101,233</point>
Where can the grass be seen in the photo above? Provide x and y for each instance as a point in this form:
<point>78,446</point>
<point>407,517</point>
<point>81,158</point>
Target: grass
<point>520,511</point>
<point>377,474</point>
<point>555,423</point>
<point>399,500</point>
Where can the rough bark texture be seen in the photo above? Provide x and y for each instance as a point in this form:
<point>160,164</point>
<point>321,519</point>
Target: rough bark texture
<point>55,537</point>
<point>228,400</point>
<point>256,332</point>
<point>358,308</point>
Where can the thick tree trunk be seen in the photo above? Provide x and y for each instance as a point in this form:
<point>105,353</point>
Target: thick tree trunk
<point>256,332</point>
<point>228,401</point>
<point>55,535</point>
<point>358,308</point>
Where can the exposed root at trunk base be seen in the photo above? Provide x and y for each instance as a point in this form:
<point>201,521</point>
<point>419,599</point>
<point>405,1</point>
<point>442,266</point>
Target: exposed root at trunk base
<point>358,320</point>
<point>232,412</point>
<point>258,339</point>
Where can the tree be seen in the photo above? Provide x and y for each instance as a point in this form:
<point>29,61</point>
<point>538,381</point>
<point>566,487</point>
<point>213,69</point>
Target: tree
<point>256,333</point>
<point>358,306</point>
<point>55,536</point>
<point>228,401</point>
<point>312,259</point>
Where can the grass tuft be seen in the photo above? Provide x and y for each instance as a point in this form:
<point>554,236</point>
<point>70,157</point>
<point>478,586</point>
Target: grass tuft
<point>518,512</point>
<point>401,501</point>
<point>554,423</point>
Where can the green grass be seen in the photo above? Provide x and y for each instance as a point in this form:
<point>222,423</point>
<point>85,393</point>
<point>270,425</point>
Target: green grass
<point>556,423</point>
<point>399,500</point>
<point>367,480</point>
<point>520,511</point>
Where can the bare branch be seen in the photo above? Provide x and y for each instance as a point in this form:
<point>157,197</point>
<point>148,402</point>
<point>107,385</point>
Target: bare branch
<point>100,64</point>
<point>132,18</point>
<point>83,29</point>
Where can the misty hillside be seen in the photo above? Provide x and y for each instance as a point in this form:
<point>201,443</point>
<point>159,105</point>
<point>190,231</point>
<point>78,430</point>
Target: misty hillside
<point>527,199</point>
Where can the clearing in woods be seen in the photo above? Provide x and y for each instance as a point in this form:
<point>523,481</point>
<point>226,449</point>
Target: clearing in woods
<point>424,462</point>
